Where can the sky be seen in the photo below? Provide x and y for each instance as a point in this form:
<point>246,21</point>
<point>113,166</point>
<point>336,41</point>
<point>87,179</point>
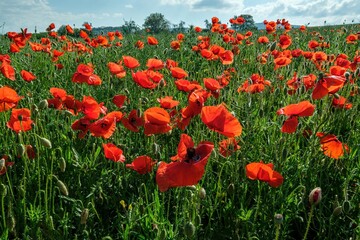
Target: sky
<point>17,14</point>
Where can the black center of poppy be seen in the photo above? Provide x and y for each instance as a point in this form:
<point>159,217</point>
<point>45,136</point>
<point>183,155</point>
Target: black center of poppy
<point>190,153</point>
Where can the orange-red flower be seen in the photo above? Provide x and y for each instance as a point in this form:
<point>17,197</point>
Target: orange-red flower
<point>228,146</point>
<point>113,153</point>
<point>106,126</point>
<point>20,120</point>
<point>264,172</point>
<point>7,70</point>
<point>84,74</point>
<point>152,40</point>
<point>188,166</point>
<point>116,69</point>
<point>178,73</point>
<point>142,79</point>
<point>69,29</point>
<point>133,121</point>
<point>331,145</point>
<point>157,120</point>
<point>328,85</point>
<point>8,98</point>
<point>293,111</point>
<point>168,102</point>
<point>131,62</point>
<point>142,164</point>
<point>281,62</point>
<point>90,107</point>
<point>4,163</point>
<point>341,102</point>
<point>119,100</point>
<point>27,76</point>
<point>219,119</point>
<point>155,64</point>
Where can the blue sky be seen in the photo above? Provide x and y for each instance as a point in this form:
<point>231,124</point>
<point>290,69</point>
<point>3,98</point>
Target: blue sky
<point>16,14</point>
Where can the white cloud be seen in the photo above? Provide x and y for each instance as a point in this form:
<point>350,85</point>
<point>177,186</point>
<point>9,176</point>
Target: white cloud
<point>129,6</point>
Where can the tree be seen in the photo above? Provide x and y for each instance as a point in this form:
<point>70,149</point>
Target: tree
<point>249,23</point>
<point>130,27</point>
<point>156,23</point>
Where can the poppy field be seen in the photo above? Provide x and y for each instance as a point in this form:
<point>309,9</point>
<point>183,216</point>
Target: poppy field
<point>205,134</point>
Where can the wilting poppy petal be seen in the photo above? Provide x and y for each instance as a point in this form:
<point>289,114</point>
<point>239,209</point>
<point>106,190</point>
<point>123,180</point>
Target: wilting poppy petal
<point>290,125</point>
<point>27,76</point>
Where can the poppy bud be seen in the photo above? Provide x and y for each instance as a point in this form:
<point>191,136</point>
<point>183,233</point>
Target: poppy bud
<point>202,193</point>
<point>62,164</point>
<point>337,211</point>
<point>43,104</point>
<point>272,46</point>
<point>191,187</point>
<point>347,75</point>
<point>84,216</point>
<point>278,218</point>
<point>162,234</point>
<point>315,196</point>
<point>20,150</point>
<point>231,188</point>
<point>189,229</point>
<point>45,142</point>
<point>2,164</point>
<point>357,72</point>
<point>197,220</point>
<point>51,223</point>
<point>346,207</point>
<point>62,187</point>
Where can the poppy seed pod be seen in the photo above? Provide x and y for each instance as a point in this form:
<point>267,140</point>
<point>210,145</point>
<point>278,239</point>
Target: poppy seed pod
<point>315,196</point>
<point>189,229</point>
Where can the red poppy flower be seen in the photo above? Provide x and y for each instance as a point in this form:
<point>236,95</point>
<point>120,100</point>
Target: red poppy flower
<point>328,85</point>
<point>189,169</point>
<point>219,119</point>
<point>27,76</point>
<point>116,69</point>
<point>196,102</point>
<point>293,111</point>
<point>7,70</point>
<point>113,153</point>
<point>186,85</point>
<point>8,98</point>
<point>284,41</point>
<point>264,172</point>
<point>51,27</point>
<point>82,125</point>
<point>90,107</point>
<point>142,164</point>
<point>226,57</point>
<point>142,79</point>
<point>341,102</point>
<point>178,73</point>
<point>331,145</point>
<point>228,146</point>
<point>119,100</point>
<point>130,62</point>
<point>152,40</point>
<point>20,120</point>
<point>69,29</point>
<point>133,121</point>
<point>281,62</point>
<point>168,102</point>
<point>154,64</point>
<point>104,127</point>
<point>139,44</point>
<point>157,120</point>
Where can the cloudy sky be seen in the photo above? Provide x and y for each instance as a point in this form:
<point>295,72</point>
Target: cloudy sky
<point>16,14</point>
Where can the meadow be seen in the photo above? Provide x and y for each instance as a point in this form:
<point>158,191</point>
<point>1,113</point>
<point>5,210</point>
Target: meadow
<point>212,134</point>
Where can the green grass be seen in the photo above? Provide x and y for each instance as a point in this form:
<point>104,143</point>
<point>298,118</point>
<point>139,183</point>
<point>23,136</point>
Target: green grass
<point>123,204</point>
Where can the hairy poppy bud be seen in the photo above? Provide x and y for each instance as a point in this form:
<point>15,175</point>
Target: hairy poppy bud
<point>347,75</point>
<point>84,216</point>
<point>189,229</point>
<point>43,104</point>
<point>231,188</point>
<point>63,188</point>
<point>45,142</point>
<point>2,164</point>
<point>62,164</point>
<point>315,196</point>
<point>51,223</point>
<point>337,211</point>
<point>202,193</point>
<point>20,150</point>
<point>11,223</point>
<point>278,218</point>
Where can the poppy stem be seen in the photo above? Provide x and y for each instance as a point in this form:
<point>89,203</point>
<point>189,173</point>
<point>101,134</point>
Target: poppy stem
<point>258,201</point>
<point>309,221</point>
<point>277,234</point>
